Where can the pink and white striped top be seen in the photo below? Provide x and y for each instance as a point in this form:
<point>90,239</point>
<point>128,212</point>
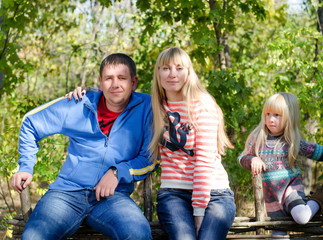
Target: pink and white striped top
<point>190,159</point>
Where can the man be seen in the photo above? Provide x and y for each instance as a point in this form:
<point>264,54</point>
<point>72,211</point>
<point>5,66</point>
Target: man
<point>109,135</point>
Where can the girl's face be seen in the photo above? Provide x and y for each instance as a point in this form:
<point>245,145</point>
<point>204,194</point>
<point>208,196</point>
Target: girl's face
<point>274,123</point>
<point>172,78</point>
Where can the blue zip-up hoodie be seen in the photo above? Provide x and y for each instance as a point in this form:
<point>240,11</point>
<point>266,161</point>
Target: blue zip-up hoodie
<point>90,152</point>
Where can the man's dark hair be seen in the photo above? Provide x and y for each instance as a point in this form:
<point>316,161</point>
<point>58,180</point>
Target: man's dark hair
<point>119,58</point>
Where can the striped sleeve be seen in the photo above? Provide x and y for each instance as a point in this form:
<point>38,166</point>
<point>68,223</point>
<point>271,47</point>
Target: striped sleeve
<point>207,158</point>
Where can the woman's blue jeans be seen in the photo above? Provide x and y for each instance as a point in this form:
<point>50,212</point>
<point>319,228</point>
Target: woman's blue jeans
<point>58,214</point>
<point>175,213</point>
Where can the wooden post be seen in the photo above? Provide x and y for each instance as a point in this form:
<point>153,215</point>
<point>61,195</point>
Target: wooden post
<point>148,202</point>
<point>25,203</point>
<point>259,202</point>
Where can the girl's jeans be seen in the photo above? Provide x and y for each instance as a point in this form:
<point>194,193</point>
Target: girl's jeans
<point>58,214</point>
<point>175,213</point>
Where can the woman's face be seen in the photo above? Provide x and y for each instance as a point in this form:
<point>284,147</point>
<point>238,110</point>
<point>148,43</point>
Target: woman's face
<point>172,78</point>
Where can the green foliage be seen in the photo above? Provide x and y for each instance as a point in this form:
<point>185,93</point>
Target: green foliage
<point>199,20</point>
<point>232,94</point>
<point>18,17</point>
<point>4,225</point>
<point>49,47</point>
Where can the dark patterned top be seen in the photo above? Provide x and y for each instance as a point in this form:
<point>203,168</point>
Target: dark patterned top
<point>282,185</point>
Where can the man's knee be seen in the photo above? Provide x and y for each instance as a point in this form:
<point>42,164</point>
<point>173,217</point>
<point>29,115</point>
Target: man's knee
<point>137,231</point>
<point>31,233</point>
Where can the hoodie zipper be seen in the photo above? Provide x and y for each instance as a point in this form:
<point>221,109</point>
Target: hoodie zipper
<point>105,145</point>
<point>107,138</point>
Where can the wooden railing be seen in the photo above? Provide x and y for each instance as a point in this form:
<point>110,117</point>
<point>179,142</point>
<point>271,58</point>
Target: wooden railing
<point>242,228</point>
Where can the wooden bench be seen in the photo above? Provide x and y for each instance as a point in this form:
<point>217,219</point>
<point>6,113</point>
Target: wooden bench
<point>243,227</point>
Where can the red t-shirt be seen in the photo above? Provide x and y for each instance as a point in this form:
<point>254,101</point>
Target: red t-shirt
<point>106,117</point>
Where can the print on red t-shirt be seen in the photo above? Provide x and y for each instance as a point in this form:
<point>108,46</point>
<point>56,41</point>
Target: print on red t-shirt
<point>106,117</point>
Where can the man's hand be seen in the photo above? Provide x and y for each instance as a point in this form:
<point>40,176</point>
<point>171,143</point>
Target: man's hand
<point>198,220</point>
<point>107,185</point>
<point>17,178</point>
<point>257,166</point>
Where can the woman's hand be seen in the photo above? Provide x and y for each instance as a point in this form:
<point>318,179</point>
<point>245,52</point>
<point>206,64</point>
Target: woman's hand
<point>77,93</point>
<point>257,166</point>
<point>198,220</point>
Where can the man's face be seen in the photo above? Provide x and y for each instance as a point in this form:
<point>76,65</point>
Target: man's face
<point>117,85</point>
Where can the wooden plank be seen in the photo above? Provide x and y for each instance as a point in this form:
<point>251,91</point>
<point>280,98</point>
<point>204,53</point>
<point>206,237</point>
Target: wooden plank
<point>25,203</point>
<point>259,201</point>
<point>147,195</point>
<point>242,225</point>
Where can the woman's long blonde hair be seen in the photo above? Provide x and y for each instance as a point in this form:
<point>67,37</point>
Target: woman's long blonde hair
<point>191,91</point>
<point>285,104</point>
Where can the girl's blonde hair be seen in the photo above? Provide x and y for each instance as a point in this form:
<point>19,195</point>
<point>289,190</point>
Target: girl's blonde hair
<point>285,104</point>
<point>191,91</point>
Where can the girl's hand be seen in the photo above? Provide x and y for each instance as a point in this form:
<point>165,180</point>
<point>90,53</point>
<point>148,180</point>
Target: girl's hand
<point>257,166</point>
<point>77,94</point>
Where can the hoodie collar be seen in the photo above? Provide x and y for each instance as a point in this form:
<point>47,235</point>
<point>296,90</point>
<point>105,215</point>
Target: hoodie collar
<point>91,99</point>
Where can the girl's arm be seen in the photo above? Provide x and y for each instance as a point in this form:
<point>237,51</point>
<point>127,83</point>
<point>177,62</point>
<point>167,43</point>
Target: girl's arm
<point>248,160</point>
<point>247,154</point>
<point>311,150</point>
<point>245,161</point>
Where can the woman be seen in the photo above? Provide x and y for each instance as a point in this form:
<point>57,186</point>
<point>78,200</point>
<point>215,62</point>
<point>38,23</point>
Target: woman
<point>194,200</point>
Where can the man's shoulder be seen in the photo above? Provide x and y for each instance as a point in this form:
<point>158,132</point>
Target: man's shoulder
<point>144,96</point>
<point>98,93</point>
<point>94,97</point>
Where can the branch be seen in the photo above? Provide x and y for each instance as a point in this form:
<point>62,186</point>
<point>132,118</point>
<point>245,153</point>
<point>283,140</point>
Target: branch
<point>7,34</point>
<point>93,37</point>
<point>320,18</point>
<point>4,196</point>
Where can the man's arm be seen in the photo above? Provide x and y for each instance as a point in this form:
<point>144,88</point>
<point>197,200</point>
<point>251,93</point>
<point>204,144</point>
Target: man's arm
<point>40,122</point>
<point>138,168</point>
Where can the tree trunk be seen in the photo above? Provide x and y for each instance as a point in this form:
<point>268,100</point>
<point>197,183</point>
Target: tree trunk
<point>320,17</point>
<point>1,82</point>
<point>95,28</point>
<point>307,164</point>
<point>223,57</point>
<point>319,45</point>
<point>311,125</point>
<point>1,73</point>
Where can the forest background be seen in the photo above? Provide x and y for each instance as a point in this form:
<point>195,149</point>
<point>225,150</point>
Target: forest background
<point>243,51</point>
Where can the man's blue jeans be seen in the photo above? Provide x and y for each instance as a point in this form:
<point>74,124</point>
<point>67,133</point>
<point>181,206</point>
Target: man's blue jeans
<point>175,213</point>
<point>58,214</point>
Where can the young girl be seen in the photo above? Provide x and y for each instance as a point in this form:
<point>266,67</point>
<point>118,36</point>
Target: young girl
<point>195,200</point>
<point>278,141</point>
